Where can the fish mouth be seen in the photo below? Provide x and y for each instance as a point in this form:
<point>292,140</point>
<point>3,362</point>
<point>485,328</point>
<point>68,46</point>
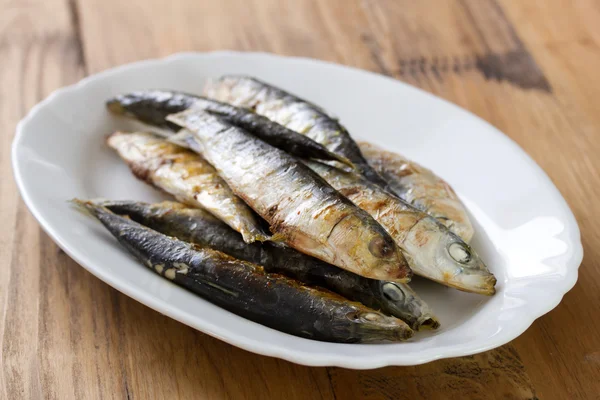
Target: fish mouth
<point>427,323</point>
<point>404,274</point>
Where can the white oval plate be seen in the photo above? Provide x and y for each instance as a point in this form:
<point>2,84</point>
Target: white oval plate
<point>524,229</point>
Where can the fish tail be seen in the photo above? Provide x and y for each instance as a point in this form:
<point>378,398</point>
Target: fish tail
<point>91,208</point>
<point>86,207</point>
<point>115,106</point>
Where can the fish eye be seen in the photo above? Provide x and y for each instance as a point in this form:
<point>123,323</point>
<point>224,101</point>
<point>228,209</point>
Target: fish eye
<point>380,247</point>
<point>392,292</point>
<point>459,252</point>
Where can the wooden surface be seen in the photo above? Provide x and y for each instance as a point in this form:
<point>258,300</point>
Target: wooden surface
<point>531,68</point>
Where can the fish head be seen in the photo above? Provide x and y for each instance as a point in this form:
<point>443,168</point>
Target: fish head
<point>366,249</point>
<point>448,259</point>
<point>401,301</point>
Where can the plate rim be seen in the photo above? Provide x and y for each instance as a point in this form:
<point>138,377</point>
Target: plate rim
<point>270,349</point>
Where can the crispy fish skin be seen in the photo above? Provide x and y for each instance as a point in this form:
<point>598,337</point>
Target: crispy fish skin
<point>292,112</point>
<point>430,248</point>
<point>153,106</point>
<point>188,177</point>
<point>199,227</point>
<point>240,287</point>
<point>301,208</point>
<point>421,188</point>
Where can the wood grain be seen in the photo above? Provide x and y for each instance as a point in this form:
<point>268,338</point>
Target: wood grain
<point>530,68</point>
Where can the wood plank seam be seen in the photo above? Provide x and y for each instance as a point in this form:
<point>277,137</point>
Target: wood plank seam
<point>509,66</point>
<point>504,58</point>
<point>73,9</point>
<point>516,66</point>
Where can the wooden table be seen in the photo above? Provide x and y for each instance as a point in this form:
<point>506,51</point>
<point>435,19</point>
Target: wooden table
<point>531,68</point>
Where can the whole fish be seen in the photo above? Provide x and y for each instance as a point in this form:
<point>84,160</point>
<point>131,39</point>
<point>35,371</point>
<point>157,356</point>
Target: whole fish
<point>421,188</point>
<point>153,106</point>
<point>199,227</point>
<point>294,113</point>
<point>301,208</point>
<point>188,177</point>
<point>430,248</point>
<point>247,290</point>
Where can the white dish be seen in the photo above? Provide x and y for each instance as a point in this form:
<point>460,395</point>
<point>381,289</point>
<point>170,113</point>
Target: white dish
<point>524,229</point>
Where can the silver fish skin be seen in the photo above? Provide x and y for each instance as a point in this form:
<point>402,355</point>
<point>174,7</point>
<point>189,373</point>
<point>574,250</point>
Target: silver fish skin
<point>188,177</point>
<point>430,248</point>
<point>197,226</point>
<point>301,208</point>
<point>247,290</point>
<point>292,112</point>
<point>421,188</point>
<point>153,106</point>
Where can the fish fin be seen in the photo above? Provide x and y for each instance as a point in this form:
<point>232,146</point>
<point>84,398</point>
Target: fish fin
<point>185,138</point>
<point>180,138</point>
<point>345,161</point>
<point>252,236</point>
<point>278,238</point>
<point>179,118</point>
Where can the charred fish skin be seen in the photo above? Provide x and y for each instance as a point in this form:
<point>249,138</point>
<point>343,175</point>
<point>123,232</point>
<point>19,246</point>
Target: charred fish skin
<point>301,208</point>
<point>188,177</point>
<point>199,227</point>
<point>421,188</point>
<point>239,287</point>
<point>430,248</point>
<point>294,113</point>
<point>153,106</point>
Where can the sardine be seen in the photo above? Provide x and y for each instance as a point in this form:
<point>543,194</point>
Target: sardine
<point>431,249</point>
<point>247,290</point>
<point>421,188</point>
<point>301,208</point>
<point>153,106</point>
<point>188,177</point>
<point>294,113</point>
<point>199,227</point>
